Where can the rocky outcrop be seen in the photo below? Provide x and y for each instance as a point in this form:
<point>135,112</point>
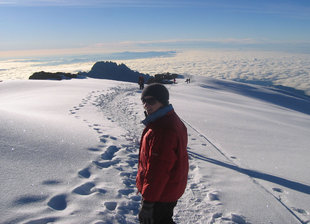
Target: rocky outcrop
<point>52,76</point>
<point>163,78</point>
<point>108,70</point>
<point>113,71</point>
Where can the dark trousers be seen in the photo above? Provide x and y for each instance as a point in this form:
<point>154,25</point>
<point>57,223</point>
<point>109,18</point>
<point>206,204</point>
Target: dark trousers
<point>163,212</point>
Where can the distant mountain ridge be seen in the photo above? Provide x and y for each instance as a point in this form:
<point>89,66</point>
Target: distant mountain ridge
<point>100,70</point>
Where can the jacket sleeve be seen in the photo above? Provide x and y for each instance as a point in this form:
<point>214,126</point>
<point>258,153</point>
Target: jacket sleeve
<point>161,161</point>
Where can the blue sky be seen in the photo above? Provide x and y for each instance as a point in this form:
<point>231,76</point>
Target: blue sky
<point>79,26</point>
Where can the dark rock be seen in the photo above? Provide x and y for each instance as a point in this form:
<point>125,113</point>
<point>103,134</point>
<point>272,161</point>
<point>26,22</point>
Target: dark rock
<point>108,70</point>
<point>166,78</point>
<point>52,76</point>
<point>113,71</point>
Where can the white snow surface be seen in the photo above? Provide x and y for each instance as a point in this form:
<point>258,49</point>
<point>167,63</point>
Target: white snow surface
<point>69,152</point>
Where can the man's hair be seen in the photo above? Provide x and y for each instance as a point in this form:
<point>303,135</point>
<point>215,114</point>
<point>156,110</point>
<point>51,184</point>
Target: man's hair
<point>158,91</point>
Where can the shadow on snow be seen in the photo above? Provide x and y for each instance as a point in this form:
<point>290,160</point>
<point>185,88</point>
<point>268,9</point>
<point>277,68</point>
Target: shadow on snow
<point>281,96</point>
<point>256,174</point>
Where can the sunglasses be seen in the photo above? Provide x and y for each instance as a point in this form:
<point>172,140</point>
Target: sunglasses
<point>150,101</point>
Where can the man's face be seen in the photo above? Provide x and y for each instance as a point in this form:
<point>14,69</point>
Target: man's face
<point>150,104</point>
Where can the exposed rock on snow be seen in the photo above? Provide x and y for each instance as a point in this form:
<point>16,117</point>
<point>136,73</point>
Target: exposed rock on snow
<point>113,71</point>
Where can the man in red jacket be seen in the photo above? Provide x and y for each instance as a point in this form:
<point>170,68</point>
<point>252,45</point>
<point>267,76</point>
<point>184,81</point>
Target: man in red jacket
<point>163,160</point>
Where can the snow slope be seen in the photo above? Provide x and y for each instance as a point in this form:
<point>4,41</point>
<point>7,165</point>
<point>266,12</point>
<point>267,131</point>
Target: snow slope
<point>69,152</point>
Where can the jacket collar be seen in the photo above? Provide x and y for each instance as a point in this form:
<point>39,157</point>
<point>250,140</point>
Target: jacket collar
<point>157,114</point>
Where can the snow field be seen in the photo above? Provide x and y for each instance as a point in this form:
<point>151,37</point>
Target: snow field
<point>70,149</point>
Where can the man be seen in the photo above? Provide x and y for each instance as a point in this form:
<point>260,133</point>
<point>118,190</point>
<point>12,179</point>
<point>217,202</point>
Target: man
<point>163,159</point>
<point>141,82</point>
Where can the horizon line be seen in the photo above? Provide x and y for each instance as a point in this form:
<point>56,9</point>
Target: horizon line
<point>168,45</point>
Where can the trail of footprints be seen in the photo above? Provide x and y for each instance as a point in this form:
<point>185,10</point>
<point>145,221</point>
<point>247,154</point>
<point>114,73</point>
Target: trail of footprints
<point>107,160</point>
<point>213,197</point>
<point>116,159</point>
<point>202,203</point>
<point>198,196</point>
<point>116,163</point>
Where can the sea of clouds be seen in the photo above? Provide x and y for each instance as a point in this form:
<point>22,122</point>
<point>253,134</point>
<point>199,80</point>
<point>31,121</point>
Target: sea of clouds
<point>258,67</point>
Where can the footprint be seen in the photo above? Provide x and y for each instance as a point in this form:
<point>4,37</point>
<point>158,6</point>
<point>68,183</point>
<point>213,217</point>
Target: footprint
<point>238,219</point>
<point>84,173</point>
<point>130,207</point>
<point>134,156</point>
<point>300,210</point>
<point>84,189</point>
<point>136,198</point>
<point>217,215</point>
<point>29,199</point>
<point>192,167</point>
<point>131,163</point>
<point>213,197</point>
<point>58,202</point>
<point>126,191</point>
<point>101,191</point>
<point>101,165</point>
<point>94,149</point>
<point>194,186</point>
<point>51,182</point>
<point>109,153</point>
<point>129,182</point>
<point>110,205</point>
<point>277,189</point>
<point>103,140</point>
<point>125,174</point>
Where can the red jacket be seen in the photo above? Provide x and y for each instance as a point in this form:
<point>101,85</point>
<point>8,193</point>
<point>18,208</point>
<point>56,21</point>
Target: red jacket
<point>163,160</point>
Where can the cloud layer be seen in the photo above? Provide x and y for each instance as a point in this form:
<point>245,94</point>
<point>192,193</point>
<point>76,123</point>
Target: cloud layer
<point>292,70</point>
<point>268,68</point>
